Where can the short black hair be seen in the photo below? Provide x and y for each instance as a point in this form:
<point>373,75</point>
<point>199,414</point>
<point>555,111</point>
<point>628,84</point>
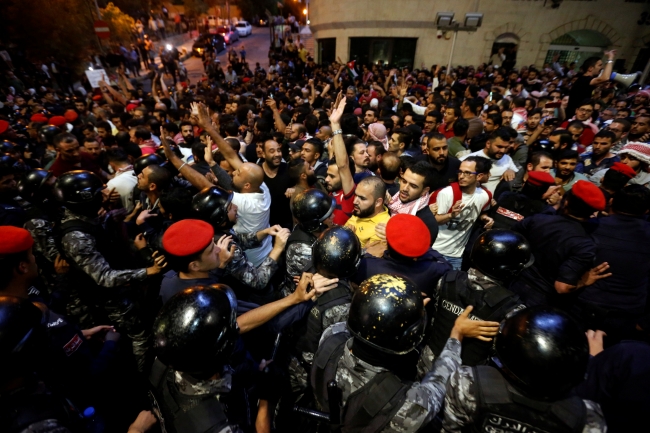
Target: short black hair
<point>568,154</point>
<point>177,202</point>
<point>424,169</point>
<point>143,133</point>
<point>404,136</point>
<point>483,165</point>
<point>536,158</point>
<point>435,114</point>
<point>614,180</point>
<point>117,155</point>
<point>461,126</point>
<point>318,144</point>
<point>159,176</point>
<point>603,133</point>
<point>631,200</point>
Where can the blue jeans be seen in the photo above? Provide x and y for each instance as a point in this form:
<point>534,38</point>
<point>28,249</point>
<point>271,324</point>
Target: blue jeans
<point>455,262</point>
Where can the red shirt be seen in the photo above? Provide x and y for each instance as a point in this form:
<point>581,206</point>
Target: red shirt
<point>447,133</point>
<point>344,206</point>
<point>59,167</point>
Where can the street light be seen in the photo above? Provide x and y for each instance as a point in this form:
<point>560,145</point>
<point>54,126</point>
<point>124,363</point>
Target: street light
<point>445,21</point>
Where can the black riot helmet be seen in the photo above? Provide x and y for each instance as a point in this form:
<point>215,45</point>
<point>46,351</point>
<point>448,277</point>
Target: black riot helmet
<point>145,161</point>
<point>20,335</point>
<point>501,254</point>
<point>7,147</point>
<point>80,191</point>
<point>196,330</point>
<point>211,205</point>
<point>32,186</point>
<point>311,207</point>
<point>161,152</point>
<point>387,313</point>
<point>542,352</point>
<point>336,253</point>
<point>48,132</point>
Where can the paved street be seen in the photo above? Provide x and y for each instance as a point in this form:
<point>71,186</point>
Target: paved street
<point>257,48</point>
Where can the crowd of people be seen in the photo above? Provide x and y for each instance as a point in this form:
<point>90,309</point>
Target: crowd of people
<point>307,247</point>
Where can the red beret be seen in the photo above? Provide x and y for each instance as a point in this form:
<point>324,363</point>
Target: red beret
<point>14,240</point>
<point>38,117</point>
<point>540,178</point>
<point>408,235</point>
<point>187,237</point>
<point>590,194</point>
<point>246,79</point>
<point>97,98</point>
<point>131,107</point>
<point>70,115</point>
<point>58,120</point>
<point>4,125</point>
<point>624,168</point>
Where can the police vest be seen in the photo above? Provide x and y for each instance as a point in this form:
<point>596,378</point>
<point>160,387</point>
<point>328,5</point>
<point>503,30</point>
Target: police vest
<point>370,408</point>
<point>311,334</point>
<point>456,294</point>
<point>298,235</point>
<point>501,408</point>
<point>180,413</point>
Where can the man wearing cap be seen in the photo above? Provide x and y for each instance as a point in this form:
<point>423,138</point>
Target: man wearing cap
<point>615,179</point>
<point>617,304</point>
<point>72,367</point>
<point>563,250</point>
<point>408,254</point>
<point>515,206</point>
<point>636,155</point>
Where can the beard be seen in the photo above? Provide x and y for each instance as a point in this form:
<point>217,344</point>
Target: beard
<point>363,213</point>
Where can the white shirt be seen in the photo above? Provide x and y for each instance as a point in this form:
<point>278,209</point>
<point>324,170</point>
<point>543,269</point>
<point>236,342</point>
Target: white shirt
<point>253,212</point>
<point>499,166</point>
<point>451,242</point>
<point>124,182</point>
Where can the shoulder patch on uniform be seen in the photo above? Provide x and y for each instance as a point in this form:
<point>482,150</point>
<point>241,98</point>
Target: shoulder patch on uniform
<point>72,345</point>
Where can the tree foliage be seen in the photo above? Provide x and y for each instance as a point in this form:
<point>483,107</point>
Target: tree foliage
<point>194,8</point>
<point>121,24</point>
<point>62,29</point>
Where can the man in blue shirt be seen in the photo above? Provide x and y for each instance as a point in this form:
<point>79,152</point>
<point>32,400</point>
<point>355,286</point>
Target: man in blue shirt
<point>601,156</point>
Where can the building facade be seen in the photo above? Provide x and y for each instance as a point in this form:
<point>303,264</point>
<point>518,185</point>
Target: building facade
<point>404,32</point>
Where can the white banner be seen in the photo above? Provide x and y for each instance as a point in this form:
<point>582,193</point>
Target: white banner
<point>95,76</point>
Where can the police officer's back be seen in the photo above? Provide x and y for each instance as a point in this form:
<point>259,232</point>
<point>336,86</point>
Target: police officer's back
<point>541,354</point>
<point>372,358</point>
<point>11,213</point>
<point>312,209</point>
<point>515,206</point>
<point>497,257</point>
<point>562,249</point>
<point>194,336</point>
<point>409,254</point>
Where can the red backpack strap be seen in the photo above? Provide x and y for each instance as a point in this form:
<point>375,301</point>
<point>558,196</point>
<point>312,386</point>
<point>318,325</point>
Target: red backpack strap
<point>458,194</point>
<point>489,197</point>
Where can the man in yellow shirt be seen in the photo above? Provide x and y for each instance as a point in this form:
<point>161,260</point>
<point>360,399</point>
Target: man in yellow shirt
<point>369,209</point>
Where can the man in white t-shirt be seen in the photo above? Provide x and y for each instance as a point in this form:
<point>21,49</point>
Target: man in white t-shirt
<point>125,179</point>
<point>457,216</point>
<point>503,167</point>
<point>253,200</point>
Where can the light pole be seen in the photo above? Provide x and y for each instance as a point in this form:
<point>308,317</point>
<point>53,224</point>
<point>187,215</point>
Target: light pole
<point>445,22</point>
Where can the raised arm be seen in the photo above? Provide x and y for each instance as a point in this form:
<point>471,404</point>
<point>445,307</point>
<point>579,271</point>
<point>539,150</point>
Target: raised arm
<point>154,89</point>
<point>117,96</point>
<point>200,112</point>
<point>280,126</point>
<point>607,71</point>
<point>197,180</point>
<point>338,146</point>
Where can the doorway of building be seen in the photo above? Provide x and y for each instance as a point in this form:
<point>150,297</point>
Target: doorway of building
<point>509,43</point>
<point>576,47</point>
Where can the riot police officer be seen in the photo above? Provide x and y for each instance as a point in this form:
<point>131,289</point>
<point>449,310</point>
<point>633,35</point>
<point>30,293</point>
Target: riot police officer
<point>373,358</point>
<point>194,337</point>
<point>214,205</point>
<point>541,354</point>
<point>28,406</point>
<point>335,254</point>
<point>312,209</point>
<point>497,257</point>
<point>99,270</point>
<point>46,148</point>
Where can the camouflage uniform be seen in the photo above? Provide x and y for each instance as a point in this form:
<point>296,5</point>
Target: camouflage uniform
<point>298,257</point>
<point>190,386</point>
<point>44,242</point>
<point>423,400</point>
<point>80,249</point>
<point>244,271</point>
<point>461,406</point>
<point>478,280</point>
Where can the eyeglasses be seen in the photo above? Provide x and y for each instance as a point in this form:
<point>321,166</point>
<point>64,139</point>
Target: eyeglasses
<point>466,173</point>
